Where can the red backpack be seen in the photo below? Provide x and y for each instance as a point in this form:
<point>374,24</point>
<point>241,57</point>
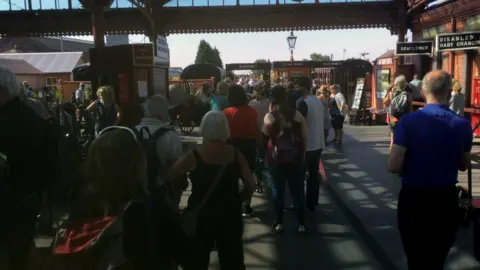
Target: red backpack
<point>91,244</point>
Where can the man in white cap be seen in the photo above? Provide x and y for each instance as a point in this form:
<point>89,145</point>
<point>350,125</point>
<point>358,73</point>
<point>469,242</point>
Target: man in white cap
<point>168,145</point>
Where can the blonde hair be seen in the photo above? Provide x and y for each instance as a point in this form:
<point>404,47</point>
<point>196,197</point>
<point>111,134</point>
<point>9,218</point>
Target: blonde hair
<point>106,94</point>
<point>114,170</point>
<point>400,83</point>
<point>222,88</point>
<point>456,86</point>
<point>323,90</point>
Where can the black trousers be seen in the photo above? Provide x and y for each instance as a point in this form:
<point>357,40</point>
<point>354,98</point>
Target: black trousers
<point>428,222</point>
<point>225,231</point>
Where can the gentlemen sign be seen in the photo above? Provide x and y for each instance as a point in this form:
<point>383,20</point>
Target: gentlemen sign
<point>414,48</point>
<point>458,42</point>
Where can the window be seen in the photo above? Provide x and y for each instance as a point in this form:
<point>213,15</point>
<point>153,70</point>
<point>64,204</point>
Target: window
<point>431,32</point>
<point>50,81</point>
<point>472,23</point>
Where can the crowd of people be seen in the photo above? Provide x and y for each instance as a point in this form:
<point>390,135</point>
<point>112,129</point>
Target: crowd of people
<point>136,175</point>
<point>124,209</point>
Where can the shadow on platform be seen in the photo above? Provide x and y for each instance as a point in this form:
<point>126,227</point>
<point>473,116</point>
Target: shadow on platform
<point>359,182</point>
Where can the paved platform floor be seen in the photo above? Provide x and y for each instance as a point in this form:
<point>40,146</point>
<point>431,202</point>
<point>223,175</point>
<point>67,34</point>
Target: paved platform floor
<point>357,174</point>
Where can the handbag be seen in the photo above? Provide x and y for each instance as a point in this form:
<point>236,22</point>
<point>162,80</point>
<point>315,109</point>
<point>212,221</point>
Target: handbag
<point>189,218</point>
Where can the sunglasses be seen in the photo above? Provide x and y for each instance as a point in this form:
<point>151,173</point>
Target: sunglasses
<point>111,128</point>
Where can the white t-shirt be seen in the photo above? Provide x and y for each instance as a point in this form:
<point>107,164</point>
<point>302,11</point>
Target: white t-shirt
<point>340,100</point>
<point>261,107</point>
<point>80,95</point>
<point>315,119</point>
<point>169,145</point>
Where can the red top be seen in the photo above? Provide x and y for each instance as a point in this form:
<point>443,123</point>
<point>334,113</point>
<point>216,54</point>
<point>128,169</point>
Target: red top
<point>242,121</point>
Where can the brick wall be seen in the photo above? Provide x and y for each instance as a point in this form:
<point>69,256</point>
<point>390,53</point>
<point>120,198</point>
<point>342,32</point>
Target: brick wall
<point>459,65</point>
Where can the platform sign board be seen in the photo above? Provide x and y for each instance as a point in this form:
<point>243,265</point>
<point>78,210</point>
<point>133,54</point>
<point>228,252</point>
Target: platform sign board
<point>458,41</point>
<point>143,54</point>
<point>163,52</point>
<point>414,48</point>
<point>358,93</point>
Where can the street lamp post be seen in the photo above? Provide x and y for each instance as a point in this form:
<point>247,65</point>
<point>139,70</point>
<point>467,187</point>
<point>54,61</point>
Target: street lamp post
<point>292,40</point>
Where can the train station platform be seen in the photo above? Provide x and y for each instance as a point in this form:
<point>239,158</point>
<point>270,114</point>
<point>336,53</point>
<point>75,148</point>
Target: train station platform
<point>331,242</point>
<point>359,181</point>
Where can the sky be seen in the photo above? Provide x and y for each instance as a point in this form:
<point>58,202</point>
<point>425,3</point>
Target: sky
<point>247,47</point>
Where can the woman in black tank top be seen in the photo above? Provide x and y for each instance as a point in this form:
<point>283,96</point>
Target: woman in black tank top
<point>220,219</point>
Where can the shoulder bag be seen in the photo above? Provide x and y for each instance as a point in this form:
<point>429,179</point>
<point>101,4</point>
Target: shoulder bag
<point>189,218</point>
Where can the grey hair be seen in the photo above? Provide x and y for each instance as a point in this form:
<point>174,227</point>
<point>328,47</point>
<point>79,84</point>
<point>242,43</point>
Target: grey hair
<point>336,87</point>
<point>437,85</point>
<point>8,82</point>
<point>214,127</point>
<point>157,106</point>
<point>400,82</point>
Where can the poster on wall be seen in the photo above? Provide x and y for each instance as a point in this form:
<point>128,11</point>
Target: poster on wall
<point>382,82</point>
<point>358,93</point>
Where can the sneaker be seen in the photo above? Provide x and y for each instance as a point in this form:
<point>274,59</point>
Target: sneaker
<point>278,227</point>
<point>247,211</point>
<point>301,229</point>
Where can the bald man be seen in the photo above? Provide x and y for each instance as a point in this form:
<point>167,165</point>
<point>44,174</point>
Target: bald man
<point>430,146</point>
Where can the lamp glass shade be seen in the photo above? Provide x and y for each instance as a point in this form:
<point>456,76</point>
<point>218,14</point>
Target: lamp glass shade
<point>292,40</point>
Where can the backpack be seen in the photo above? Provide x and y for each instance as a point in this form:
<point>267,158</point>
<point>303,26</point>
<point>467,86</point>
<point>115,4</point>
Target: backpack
<point>91,244</point>
<point>286,143</point>
<point>149,145</point>
<point>400,105</point>
<point>73,98</point>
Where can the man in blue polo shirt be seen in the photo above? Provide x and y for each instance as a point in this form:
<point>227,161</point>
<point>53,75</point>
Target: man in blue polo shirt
<point>430,146</point>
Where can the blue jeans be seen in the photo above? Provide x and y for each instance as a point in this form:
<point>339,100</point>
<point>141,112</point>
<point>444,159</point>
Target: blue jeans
<point>293,175</point>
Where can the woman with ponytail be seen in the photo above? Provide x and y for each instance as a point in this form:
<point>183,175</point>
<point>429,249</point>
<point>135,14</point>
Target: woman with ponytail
<point>287,130</point>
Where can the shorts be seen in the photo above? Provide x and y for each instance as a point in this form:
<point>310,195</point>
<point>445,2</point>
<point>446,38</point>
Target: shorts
<point>337,121</point>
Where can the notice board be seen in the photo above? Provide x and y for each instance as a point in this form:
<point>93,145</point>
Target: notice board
<point>357,100</point>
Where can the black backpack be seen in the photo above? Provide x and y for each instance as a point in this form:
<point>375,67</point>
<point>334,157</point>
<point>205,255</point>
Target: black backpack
<point>149,144</point>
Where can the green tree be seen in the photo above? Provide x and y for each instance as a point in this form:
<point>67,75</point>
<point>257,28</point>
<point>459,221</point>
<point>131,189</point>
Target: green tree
<point>319,57</point>
<point>217,60</point>
<point>257,73</point>
<point>204,53</point>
